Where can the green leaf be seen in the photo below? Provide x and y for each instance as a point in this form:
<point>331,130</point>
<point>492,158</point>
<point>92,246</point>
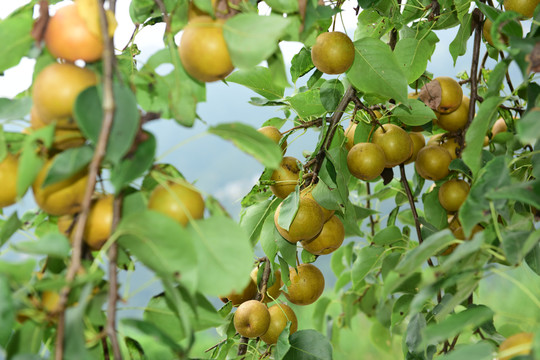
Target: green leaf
<point>371,23</point>
<point>517,244</point>
<point>496,78</point>
<point>252,38</point>
<point>7,311</point>
<point>418,256</point>
<point>288,210</point>
<point>331,94</point>
<point>15,32</point>
<point>74,340</point>
<point>51,244</point>
<point>283,6</point>
<point>434,212</point>
<point>307,104</point>
<point>482,350</point>
<point>249,140</point>
<point>30,161</point>
<point>400,310</point>
<point>387,236</point>
<point>268,240</point>
<point>26,339</point>
<point>159,242</point>
<point>89,116</point>
<point>155,343</point>
<point>376,71</point>
<point>308,345</point>
<point>476,207</point>
<point>135,164</point>
<point>470,318</point>
<point>283,345</point>
<point>528,127</point>
<point>14,109</point>
<point>458,46</point>
<point>413,55</point>
<point>68,163</point>
<point>527,192</point>
<point>368,258</point>
<point>260,80</point>
<point>253,217</point>
<point>319,313</point>
<point>9,227</point>
<point>301,64</point>
<point>477,131</point>
<point>414,113</point>
<point>225,255</point>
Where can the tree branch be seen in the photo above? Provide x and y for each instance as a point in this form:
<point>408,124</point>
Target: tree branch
<point>368,205</point>
<point>477,25</point>
<point>113,281</point>
<point>334,122</point>
<point>99,154</point>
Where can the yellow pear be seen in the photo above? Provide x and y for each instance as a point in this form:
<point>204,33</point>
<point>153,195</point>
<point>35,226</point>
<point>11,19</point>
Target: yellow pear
<point>280,314</point>
<point>307,223</point>
<point>203,50</point>
<point>179,200</point>
<point>286,177</point>
<point>252,319</point>
<point>63,197</point>
<point>8,178</point>
<point>307,284</point>
<point>329,240</point>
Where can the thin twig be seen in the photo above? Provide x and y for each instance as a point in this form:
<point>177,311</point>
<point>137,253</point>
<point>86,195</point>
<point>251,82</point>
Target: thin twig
<point>113,281</point>
<point>368,204</point>
<point>477,25</point>
<point>166,19</point>
<point>413,206</point>
<point>264,280</point>
<point>305,125</point>
<point>334,122</point>
<point>99,154</point>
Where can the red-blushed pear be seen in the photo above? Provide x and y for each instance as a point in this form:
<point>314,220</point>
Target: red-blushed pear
<point>307,284</point>
<point>273,291</point>
<point>56,88</point>
<point>68,36</point>
<point>329,240</point>
<point>63,197</point>
<point>432,162</point>
<point>8,178</point>
<point>308,192</point>
<point>248,293</point>
<point>203,50</point>
<point>457,119</point>
<point>419,142</point>
<point>307,223</point>
<point>286,177</point>
<point>252,319</point>
<point>333,52</point>
<point>273,134</point>
<point>280,314</point>
<point>453,193</point>
<point>516,345</point>
<point>179,200</point>
<point>395,142</point>
<point>366,161</point>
